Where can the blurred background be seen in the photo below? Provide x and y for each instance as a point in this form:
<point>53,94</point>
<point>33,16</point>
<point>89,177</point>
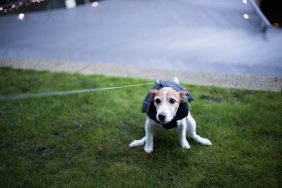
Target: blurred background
<point>271,8</point>
<point>218,37</point>
<point>21,6</point>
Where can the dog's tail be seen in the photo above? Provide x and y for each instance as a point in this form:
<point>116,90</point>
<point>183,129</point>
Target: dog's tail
<point>176,80</point>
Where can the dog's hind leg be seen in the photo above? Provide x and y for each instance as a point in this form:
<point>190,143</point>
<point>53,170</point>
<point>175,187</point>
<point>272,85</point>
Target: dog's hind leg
<point>191,128</point>
<point>137,143</point>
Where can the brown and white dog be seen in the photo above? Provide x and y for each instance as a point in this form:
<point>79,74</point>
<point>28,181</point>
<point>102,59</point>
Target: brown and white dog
<point>166,102</point>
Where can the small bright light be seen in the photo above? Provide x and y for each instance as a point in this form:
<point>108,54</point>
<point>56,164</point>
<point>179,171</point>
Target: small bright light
<point>94,4</point>
<point>245,1</point>
<point>276,24</point>
<point>70,4</point>
<point>21,16</point>
<point>246,16</point>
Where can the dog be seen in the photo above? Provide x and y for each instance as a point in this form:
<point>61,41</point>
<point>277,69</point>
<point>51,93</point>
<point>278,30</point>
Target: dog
<point>167,106</point>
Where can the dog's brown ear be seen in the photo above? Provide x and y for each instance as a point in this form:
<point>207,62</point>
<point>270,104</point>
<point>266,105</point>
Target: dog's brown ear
<point>183,96</point>
<point>153,92</point>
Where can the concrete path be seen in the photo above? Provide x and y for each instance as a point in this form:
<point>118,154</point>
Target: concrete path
<point>201,42</point>
<point>206,79</point>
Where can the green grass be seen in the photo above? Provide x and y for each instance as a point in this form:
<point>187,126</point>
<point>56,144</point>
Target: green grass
<point>82,140</point>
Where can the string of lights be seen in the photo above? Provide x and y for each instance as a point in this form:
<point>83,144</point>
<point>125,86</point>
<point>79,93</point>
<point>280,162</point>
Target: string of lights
<point>9,6</point>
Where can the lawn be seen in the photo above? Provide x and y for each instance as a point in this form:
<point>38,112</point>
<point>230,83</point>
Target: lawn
<point>82,140</point>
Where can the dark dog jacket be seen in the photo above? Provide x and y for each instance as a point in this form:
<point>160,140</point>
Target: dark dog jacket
<point>183,109</point>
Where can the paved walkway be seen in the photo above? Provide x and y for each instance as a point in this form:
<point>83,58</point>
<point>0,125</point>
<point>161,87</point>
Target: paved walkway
<point>207,79</point>
<point>201,42</point>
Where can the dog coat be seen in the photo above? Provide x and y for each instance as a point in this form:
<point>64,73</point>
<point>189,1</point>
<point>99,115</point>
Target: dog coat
<point>183,109</point>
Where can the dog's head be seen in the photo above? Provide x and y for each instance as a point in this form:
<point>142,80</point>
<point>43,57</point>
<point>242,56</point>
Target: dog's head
<point>166,102</point>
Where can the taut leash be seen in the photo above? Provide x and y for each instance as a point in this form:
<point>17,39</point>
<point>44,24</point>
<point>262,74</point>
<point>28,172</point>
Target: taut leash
<point>69,92</point>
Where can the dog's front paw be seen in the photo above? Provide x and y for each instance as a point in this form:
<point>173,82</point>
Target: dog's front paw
<point>148,149</point>
<point>184,144</point>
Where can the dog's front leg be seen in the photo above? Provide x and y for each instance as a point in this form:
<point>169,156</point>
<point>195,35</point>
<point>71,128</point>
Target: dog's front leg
<point>149,137</point>
<point>182,135</point>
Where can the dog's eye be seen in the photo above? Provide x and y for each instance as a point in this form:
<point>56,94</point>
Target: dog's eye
<point>157,101</point>
<point>172,101</point>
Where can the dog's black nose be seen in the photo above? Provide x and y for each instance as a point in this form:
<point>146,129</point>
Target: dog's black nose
<point>161,117</point>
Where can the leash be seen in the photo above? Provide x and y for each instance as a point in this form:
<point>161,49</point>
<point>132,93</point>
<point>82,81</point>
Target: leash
<point>69,92</point>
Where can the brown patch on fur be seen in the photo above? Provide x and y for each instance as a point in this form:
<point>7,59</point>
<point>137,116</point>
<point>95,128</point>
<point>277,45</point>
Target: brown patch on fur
<point>153,92</point>
<point>169,92</point>
<point>183,96</point>
<point>178,96</point>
